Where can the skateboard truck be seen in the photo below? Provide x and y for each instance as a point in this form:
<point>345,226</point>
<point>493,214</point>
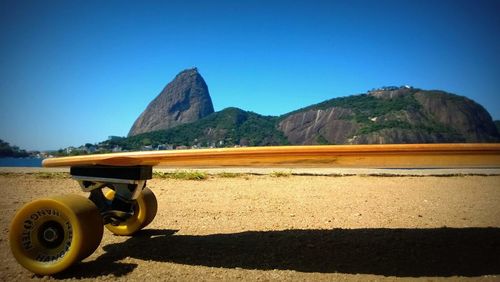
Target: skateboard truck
<point>126,182</point>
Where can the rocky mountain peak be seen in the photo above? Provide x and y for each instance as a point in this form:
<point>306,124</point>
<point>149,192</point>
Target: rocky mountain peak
<point>185,99</point>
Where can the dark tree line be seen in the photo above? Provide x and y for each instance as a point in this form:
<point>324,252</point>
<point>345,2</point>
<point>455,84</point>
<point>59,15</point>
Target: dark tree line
<point>6,150</point>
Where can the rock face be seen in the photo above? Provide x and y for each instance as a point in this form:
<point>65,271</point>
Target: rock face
<point>186,99</point>
<point>333,125</point>
<point>396,115</point>
<point>465,116</point>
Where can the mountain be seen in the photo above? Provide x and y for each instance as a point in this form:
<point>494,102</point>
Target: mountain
<point>391,115</point>
<point>387,115</point>
<point>497,124</point>
<point>183,115</point>
<point>185,99</point>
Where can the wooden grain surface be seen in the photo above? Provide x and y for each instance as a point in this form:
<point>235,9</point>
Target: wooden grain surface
<point>369,156</point>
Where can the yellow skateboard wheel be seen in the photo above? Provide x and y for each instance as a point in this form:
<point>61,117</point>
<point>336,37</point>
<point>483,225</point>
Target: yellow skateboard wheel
<point>145,208</point>
<point>49,235</point>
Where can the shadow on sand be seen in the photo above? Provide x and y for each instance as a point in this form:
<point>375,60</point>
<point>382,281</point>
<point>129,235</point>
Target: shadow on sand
<point>390,252</point>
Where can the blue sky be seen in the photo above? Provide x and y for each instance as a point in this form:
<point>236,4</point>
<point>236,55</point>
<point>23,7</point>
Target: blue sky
<point>73,72</point>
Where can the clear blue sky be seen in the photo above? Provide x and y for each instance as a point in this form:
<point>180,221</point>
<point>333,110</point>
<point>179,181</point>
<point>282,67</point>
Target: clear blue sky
<point>73,72</point>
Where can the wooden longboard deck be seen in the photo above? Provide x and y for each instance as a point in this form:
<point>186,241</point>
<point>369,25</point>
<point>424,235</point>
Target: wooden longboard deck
<point>370,156</point>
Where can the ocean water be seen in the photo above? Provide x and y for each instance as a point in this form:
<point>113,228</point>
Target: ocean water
<point>20,162</point>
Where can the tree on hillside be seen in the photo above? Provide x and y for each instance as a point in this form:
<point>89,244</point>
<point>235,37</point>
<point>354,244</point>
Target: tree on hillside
<point>6,150</point>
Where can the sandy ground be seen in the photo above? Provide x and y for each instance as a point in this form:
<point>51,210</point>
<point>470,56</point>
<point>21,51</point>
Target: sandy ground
<point>300,228</point>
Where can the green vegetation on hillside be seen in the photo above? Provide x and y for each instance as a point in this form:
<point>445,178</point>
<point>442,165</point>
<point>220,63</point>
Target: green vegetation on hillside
<point>365,106</point>
<point>228,127</point>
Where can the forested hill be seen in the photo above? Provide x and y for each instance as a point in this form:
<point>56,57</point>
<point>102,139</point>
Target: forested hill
<point>229,127</point>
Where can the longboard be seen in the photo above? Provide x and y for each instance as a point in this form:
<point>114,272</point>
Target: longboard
<point>49,235</point>
<point>377,156</point>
